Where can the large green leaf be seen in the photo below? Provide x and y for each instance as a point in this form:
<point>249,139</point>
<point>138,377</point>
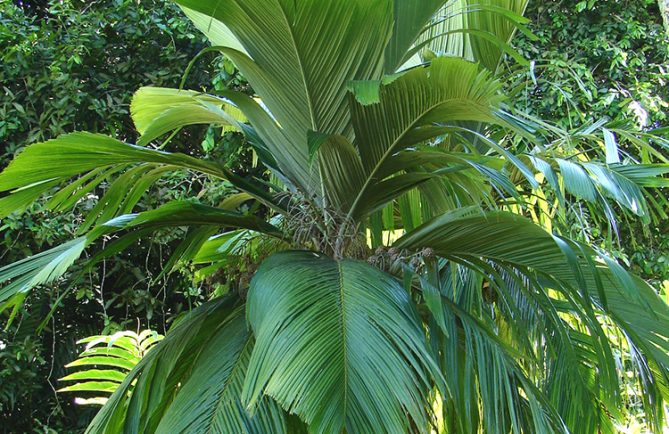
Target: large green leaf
<point>43,268</point>
<point>209,400</point>
<point>158,110</point>
<point>341,168</point>
<point>481,368</point>
<point>411,18</point>
<point>118,353</point>
<point>300,57</point>
<point>185,213</point>
<point>191,380</point>
<point>524,313</point>
<point>217,32</point>
<point>42,165</point>
<point>477,30</point>
<point>448,90</point>
<point>515,243</point>
<point>338,343</point>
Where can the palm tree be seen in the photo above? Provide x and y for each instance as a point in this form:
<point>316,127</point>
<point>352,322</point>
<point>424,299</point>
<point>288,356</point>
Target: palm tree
<point>399,282</point>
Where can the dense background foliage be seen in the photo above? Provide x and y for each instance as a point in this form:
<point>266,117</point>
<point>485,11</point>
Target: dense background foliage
<point>73,66</point>
<point>605,60</point>
<point>69,65</point>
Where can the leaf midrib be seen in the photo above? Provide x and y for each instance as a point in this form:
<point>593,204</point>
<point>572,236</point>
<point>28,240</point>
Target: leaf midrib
<point>300,66</point>
<point>390,150</point>
<point>307,95</point>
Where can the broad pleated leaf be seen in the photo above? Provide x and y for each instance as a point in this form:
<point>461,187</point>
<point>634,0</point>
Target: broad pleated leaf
<point>217,32</point>
<point>185,213</point>
<point>448,90</point>
<point>477,30</point>
<point>117,353</point>
<point>509,240</point>
<point>576,180</point>
<point>341,169</point>
<point>208,402</point>
<point>158,110</point>
<point>300,57</point>
<point>338,343</point>
<point>524,313</point>
<point>22,276</point>
<point>42,165</point>
<point>39,269</point>
<point>480,367</point>
<point>411,18</point>
<point>200,361</point>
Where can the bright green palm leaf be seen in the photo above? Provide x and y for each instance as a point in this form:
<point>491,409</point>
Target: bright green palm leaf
<point>175,376</point>
<point>341,168</point>
<point>208,401</point>
<point>121,195</point>
<point>448,90</point>
<point>118,353</point>
<point>411,18</point>
<point>43,268</point>
<point>158,110</point>
<point>477,30</point>
<point>526,313</point>
<point>300,58</point>
<point>622,189</point>
<point>42,165</point>
<point>217,32</point>
<point>510,240</point>
<point>77,153</point>
<point>338,343</point>
<point>18,199</point>
<point>479,365</point>
<point>644,175</point>
<point>184,213</point>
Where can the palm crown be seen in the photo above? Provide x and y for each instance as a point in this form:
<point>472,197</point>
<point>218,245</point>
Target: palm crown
<point>400,287</point>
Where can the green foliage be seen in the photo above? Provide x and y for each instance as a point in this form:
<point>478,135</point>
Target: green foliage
<point>75,70</point>
<point>67,66</point>
<point>206,352</point>
<point>107,360</point>
<point>20,361</point>
<point>597,59</point>
<point>603,60</point>
<point>337,314</point>
<point>468,316</point>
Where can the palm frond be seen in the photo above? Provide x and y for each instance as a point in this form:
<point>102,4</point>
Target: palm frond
<point>516,244</point>
<point>171,388</point>
<point>41,166</point>
<point>156,111</point>
<point>110,359</point>
<point>476,30</point>
<point>411,18</point>
<point>43,268</point>
<point>448,90</point>
<point>288,46</point>
<point>357,357</point>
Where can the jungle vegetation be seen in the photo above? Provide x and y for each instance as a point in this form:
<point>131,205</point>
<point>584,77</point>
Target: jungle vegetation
<point>413,247</point>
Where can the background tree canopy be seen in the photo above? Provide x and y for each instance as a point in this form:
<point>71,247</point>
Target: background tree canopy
<point>603,60</point>
<point>73,66</point>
